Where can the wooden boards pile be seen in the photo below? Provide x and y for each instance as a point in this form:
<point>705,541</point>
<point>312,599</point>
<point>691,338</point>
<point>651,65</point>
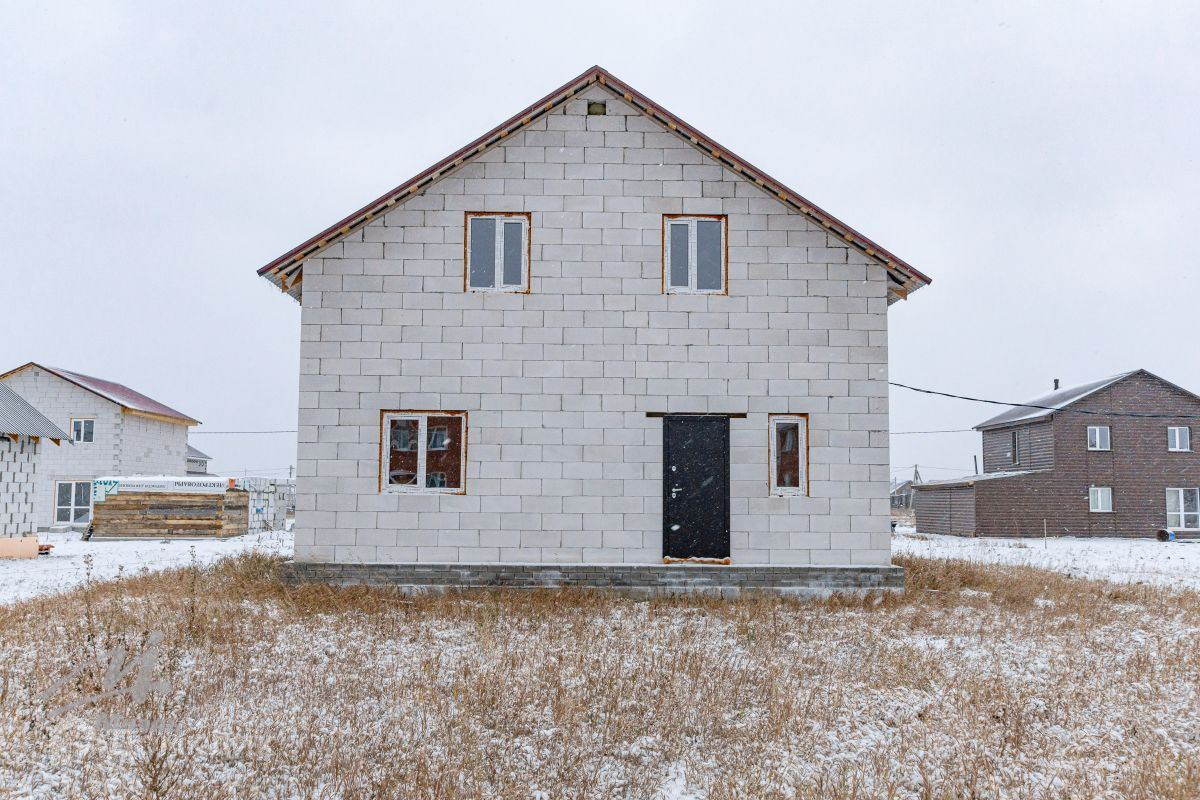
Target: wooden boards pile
<point>163,515</point>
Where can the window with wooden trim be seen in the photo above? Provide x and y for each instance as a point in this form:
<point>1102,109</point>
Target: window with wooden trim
<point>83,430</point>
<point>1100,499</point>
<point>73,501</point>
<point>424,451</point>
<point>496,252</point>
<point>789,454</point>
<point>695,254</point>
<point>1179,439</point>
<point>1099,437</point>
<point>1183,509</point>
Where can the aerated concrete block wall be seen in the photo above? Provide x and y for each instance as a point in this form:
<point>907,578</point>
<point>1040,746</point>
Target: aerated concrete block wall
<point>122,444</point>
<point>18,476</point>
<point>564,465</point>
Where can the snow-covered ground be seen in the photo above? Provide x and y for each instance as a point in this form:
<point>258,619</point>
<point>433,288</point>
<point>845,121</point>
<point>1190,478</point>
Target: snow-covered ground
<point>1173,564</point>
<point>65,568</point>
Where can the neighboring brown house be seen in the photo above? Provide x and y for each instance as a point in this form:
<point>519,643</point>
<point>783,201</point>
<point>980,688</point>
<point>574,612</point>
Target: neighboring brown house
<point>1070,464</point>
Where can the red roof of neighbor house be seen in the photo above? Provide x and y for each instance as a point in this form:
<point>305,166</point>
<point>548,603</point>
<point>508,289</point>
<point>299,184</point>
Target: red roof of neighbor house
<point>118,393</point>
<point>286,271</point>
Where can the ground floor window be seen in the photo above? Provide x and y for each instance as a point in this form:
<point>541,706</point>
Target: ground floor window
<point>1183,509</point>
<point>423,451</point>
<point>73,501</point>
<point>789,454</point>
<point>1100,499</point>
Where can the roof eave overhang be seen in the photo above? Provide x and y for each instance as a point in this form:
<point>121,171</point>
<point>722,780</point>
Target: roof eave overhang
<point>286,273</point>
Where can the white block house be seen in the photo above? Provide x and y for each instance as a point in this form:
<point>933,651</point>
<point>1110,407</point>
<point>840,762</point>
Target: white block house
<point>113,430</point>
<point>592,336</point>
<point>24,433</point>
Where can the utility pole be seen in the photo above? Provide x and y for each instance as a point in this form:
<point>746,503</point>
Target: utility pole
<point>290,468</point>
<point>976,460</point>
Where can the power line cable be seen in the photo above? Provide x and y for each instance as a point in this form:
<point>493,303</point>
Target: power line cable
<point>1131,414</point>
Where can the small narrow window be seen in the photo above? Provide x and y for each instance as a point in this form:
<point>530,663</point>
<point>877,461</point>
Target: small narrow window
<point>1014,448</point>
<point>1100,499</point>
<point>424,451</point>
<point>1099,437</point>
<point>789,454</point>
<point>1179,439</point>
<point>694,255</point>
<point>1183,509</point>
<point>73,501</point>
<point>83,430</point>
<point>497,252</point>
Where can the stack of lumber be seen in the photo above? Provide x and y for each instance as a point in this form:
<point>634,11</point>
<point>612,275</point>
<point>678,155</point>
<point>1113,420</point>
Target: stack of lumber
<point>171,514</point>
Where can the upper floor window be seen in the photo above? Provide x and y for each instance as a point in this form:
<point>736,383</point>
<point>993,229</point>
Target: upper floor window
<point>497,252</point>
<point>789,454</point>
<point>1014,447</point>
<point>1100,499</point>
<point>83,430</point>
<point>424,451</point>
<point>695,254</point>
<point>1099,437</point>
<point>1179,439</point>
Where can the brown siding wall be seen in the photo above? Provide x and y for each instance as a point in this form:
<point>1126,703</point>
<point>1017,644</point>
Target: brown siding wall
<point>949,510</point>
<point>1035,447</point>
<point>1139,469</point>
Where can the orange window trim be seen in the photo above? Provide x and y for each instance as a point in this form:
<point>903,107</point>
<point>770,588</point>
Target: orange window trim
<point>770,447</point>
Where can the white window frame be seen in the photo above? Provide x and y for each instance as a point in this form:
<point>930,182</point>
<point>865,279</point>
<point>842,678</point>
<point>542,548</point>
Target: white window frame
<point>1107,444</point>
<point>801,444</point>
<point>82,429</point>
<point>422,418</point>
<point>73,506</point>
<point>498,274</point>
<point>1173,439</point>
<point>1096,497</point>
<point>693,259</point>
<point>1181,515</point>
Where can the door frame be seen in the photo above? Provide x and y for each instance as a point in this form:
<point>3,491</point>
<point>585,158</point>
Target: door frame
<point>728,494</point>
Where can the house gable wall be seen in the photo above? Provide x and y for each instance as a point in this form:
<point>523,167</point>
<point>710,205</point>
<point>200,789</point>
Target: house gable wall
<point>563,464</point>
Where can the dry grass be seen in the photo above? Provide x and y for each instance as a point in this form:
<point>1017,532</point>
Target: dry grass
<point>978,682</point>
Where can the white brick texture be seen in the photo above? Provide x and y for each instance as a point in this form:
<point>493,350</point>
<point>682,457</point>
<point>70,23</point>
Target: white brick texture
<point>564,465</point>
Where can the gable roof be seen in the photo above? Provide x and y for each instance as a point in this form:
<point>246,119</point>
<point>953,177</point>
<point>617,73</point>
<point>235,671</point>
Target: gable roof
<point>193,453</point>
<point>1046,405</point>
<point>122,395</point>
<point>19,418</point>
<point>287,270</point>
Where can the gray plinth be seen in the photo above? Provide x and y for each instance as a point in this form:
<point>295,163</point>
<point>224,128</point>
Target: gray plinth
<point>639,579</point>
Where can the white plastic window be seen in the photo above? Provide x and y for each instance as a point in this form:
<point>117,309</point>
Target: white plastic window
<point>497,252</point>
<point>1179,439</point>
<point>1099,437</point>
<point>1100,499</point>
<point>424,452</point>
<point>789,455</point>
<point>73,501</point>
<point>83,430</point>
<point>694,255</point>
<point>1183,509</point>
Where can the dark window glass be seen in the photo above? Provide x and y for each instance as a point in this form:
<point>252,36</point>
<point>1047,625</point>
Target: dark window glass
<point>513,244</point>
<point>444,452</point>
<point>483,252</point>
<point>679,254</point>
<point>708,255</point>
<point>787,454</point>
<point>402,452</point>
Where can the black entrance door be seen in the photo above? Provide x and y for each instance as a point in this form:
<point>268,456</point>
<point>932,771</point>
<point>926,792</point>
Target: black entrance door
<point>695,486</point>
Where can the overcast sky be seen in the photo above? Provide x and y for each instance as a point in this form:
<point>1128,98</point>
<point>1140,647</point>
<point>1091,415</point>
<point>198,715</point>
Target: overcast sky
<point>1036,160</point>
